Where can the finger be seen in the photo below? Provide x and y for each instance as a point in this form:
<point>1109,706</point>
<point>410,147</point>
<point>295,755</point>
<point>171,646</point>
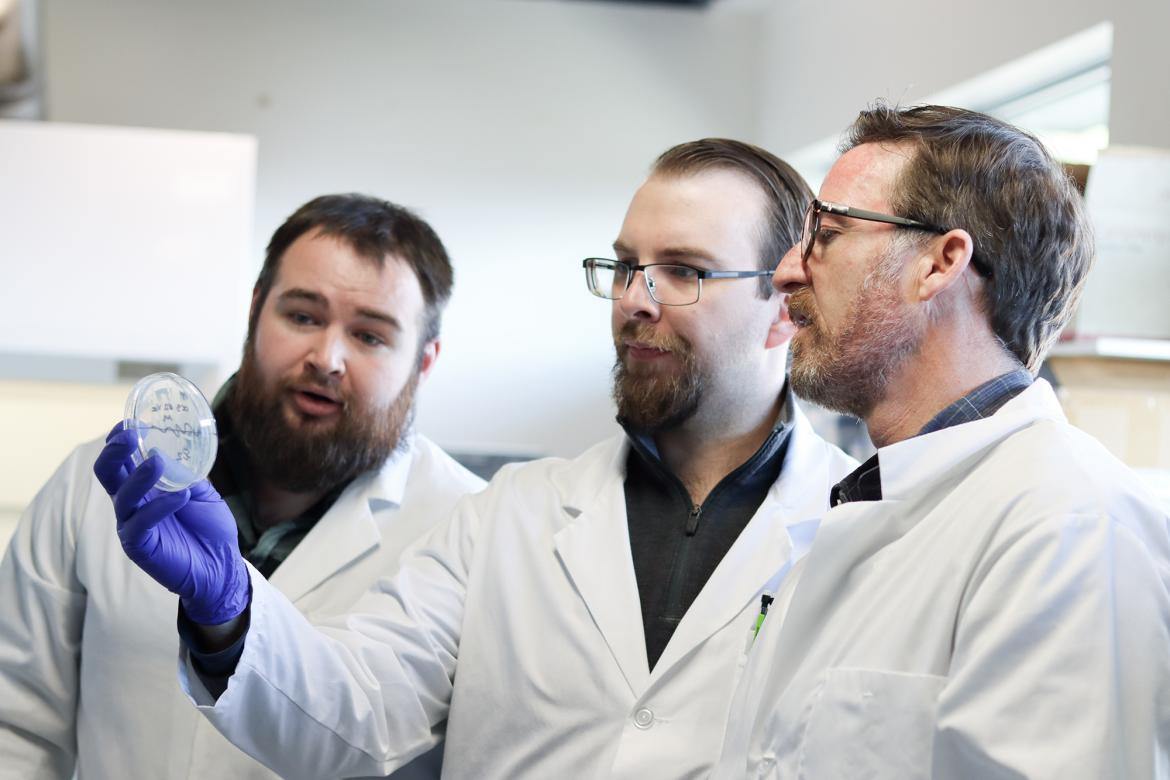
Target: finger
<point>203,490</point>
<point>113,463</point>
<point>136,486</point>
<point>121,427</point>
<point>134,530</point>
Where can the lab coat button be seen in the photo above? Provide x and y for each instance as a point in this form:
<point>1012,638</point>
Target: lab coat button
<point>643,718</point>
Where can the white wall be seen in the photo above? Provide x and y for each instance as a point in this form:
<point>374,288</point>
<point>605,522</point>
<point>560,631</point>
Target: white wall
<point>518,129</point>
<point>41,423</point>
<point>823,62</point>
<point>1139,106</point>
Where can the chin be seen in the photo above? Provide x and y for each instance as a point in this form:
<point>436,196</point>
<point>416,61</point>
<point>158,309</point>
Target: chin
<point>299,421</point>
<point>652,367</point>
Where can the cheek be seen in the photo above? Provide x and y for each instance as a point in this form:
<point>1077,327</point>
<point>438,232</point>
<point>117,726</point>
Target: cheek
<point>709,336</point>
<point>616,319</point>
<point>378,383</point>
<point>831,303</point>
<point>271,356</point>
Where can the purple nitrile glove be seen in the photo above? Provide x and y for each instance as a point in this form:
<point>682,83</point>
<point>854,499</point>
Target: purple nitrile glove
<point>186,541</point>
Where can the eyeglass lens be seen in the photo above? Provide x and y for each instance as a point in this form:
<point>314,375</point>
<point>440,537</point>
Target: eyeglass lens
<point>672,285</point>
<point>812,219</point>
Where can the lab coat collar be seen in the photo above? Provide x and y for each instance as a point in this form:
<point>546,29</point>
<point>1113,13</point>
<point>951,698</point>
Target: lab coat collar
<point>779,534</point>
<point>347,530</point>
<point>594,547</point>
<point>853,532</point>
<point>908,464</point>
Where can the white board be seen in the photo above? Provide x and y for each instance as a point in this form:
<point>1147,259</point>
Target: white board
<point>1128,290</point>
<point>124,243</point>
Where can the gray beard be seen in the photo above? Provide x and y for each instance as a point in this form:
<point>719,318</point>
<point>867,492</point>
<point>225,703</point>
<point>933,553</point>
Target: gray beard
<point>850,373</point>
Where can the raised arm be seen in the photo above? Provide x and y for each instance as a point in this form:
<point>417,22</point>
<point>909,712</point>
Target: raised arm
<point>360,696</point>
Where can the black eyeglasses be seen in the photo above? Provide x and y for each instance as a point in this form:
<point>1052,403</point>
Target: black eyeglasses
<point>812,226</point>
<point>670,284</point>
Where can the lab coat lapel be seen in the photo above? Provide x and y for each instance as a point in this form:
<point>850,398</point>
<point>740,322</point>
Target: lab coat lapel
<point>911,471</point>
<point>778,535</point>
<point>594,548</point>
<point>345,532</point>
<point>849,535</point>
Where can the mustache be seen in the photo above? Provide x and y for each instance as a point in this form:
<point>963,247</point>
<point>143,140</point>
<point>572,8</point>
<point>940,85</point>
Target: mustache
<point>801,306</point>
<point>313,377</point>
<point>647,334</point>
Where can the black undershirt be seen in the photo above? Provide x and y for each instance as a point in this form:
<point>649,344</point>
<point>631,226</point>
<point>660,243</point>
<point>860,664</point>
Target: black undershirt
<point>677,545</point>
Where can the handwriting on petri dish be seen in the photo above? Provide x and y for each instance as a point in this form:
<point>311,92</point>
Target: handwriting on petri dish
<point>178,429</point>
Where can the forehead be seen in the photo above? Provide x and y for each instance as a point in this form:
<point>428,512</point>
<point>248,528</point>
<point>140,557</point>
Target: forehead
<point>329,267</point>
<point>719,212</point>
<point>864,177</point>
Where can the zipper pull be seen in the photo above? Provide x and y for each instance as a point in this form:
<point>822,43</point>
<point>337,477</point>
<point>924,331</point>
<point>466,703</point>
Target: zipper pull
<point>693,520</point>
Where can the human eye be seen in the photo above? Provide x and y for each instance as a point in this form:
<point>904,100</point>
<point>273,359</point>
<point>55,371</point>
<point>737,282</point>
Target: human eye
<point>370,339</point>
<point>680,272</point>
<point>825,235</point>
<point>297,317</point>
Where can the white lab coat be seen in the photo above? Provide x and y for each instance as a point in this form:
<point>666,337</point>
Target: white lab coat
<point>87,640</point>
<point>1002,612</point>
<point>519,624</point>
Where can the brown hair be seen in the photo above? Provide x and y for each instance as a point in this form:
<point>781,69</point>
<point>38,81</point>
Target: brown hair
<point>375,229</point>
<point>787,193</point>
<point>998,183</point>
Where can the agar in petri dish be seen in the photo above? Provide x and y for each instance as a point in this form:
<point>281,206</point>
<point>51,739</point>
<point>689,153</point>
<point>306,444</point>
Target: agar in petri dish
<point>173,419</point>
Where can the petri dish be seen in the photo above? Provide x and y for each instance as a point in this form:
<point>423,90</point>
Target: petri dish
<point>173,419</point>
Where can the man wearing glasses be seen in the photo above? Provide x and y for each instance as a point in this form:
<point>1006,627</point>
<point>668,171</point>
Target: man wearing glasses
<point>988,596</point>
<point>582,618</point>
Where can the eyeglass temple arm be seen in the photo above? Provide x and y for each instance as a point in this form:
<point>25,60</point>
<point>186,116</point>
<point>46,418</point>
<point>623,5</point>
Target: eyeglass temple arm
<point>734,274</point>
<point>875,216</point>
<point>981,267</point>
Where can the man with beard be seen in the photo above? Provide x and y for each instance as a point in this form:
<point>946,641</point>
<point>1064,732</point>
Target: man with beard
<point>988,596</point>
<point>326,484</point>
<point>579,618</point>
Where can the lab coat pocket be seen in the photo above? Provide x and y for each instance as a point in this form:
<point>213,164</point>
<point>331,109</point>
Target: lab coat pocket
<point>869,724</point>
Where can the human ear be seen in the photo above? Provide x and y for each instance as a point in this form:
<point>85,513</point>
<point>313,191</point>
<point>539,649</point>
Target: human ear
<point>427,357</point>
<point>943,262</point>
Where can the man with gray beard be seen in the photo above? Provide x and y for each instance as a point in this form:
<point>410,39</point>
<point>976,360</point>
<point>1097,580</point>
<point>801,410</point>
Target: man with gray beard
<point>989,596</point>
<point>325,481</point>
<point>579,618</point>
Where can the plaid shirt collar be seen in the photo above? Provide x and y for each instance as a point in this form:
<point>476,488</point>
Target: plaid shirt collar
<point>865,482</point>
<point>981,402</point>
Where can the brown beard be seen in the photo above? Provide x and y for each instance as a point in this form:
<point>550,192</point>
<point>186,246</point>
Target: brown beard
<point>648,401</point>
<point>305,460</point>
<point>849,372</point>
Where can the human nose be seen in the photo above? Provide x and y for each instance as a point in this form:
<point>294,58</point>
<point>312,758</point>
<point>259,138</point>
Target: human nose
<point>328,353</point>
<point>792,272</point>
<point>636,302</point>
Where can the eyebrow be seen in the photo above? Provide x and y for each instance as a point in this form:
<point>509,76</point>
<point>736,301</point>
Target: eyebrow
<point>316,298</point>
<point>301,294</point>
<point>670,253</point>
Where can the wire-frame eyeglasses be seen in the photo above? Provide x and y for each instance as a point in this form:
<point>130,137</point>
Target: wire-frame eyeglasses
<point>669,284</point>
<point>812,226</point>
